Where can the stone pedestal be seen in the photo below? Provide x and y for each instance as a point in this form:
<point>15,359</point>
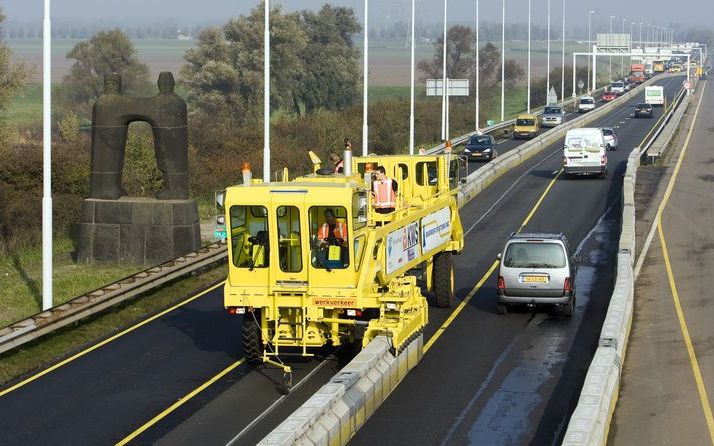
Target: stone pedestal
<point>143,231</point>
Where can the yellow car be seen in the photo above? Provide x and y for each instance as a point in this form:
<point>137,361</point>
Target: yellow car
<point>527,126</point>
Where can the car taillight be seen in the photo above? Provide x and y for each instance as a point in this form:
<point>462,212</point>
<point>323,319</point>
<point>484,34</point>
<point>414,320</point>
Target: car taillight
<point>236,310</point>
<point>567,285</point>
<point>603,160</point>
<point>501,283</point>
<point>565,161</point>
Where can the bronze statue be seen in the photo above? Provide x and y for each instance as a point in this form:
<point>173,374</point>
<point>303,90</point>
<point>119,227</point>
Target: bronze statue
<point>111,116</point>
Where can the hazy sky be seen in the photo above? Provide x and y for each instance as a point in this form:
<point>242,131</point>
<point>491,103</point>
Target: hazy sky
<point>686,12</point>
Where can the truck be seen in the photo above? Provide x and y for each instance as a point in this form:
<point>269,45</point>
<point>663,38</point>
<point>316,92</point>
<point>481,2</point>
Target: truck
<point>658,66</point>
<point>637,72</point>
<point>297,293</point>
<point>649,68</point>
<point>654,95</point>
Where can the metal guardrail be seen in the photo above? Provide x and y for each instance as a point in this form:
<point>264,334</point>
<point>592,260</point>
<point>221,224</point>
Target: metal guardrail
<point>35,326</point>
<point>40,324</point>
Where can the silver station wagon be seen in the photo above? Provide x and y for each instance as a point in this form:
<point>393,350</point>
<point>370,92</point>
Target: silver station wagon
<point>536,269</point>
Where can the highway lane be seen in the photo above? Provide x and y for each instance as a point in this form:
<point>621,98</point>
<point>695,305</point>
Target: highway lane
<point>108,394</point>
<point>496,380</point>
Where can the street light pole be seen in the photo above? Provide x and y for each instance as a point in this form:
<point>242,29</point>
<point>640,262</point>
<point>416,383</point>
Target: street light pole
<point>611,17</point>
<point>562,62</point>
<point>443,82</point>
<point>411,106</point>
<point>478,50</point>
<point>528,76</point>
<point>629,50</point>
<point>547,74</point>
<point>266,92</point>
<point>641,25</point>
<point>503,61</point>
<point>590,14</point>
<point>365,82</point>
<point>46,159</point>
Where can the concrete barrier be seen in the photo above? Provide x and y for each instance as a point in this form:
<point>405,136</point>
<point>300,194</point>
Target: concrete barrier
<point>590,421</point>
<point>336,411</point>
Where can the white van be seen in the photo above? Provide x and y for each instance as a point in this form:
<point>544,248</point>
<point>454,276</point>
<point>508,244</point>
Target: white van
<point>654,95</point>
<point>585,152</point>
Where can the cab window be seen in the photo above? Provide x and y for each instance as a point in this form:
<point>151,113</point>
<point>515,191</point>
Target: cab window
<point>289,248</point>
<point>249,236</point>
<point>329,237</point>
<point>430,178</point>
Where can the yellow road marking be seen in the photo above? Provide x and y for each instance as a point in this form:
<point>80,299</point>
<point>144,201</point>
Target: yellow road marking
<point>687,339</point>
<point>180,402</point>
<point>485,277</point>
<point>106,341</point>
<point>540,200</point>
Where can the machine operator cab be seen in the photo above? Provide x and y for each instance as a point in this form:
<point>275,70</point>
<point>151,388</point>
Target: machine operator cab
<point>313,229</point>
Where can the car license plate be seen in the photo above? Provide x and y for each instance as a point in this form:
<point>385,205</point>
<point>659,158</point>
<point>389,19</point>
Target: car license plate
<point>535,279</point>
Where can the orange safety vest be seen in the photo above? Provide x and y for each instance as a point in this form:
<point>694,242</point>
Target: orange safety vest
<point>384,196</point>
<point>339,166</point>
<point>340,231</point>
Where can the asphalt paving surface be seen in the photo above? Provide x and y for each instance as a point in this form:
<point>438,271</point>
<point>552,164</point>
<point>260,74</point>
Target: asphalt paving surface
<point>489,379</point>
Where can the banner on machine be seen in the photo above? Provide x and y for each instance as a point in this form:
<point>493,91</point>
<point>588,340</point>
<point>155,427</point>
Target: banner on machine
<point>402,246</point>
<point>435,229</point>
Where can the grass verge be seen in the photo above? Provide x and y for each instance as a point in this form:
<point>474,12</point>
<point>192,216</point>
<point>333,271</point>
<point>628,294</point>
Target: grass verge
<point>69,340</point>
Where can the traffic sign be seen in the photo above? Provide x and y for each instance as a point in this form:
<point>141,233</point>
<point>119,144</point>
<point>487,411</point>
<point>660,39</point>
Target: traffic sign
<point>220,232</point>
<point>686,85</point>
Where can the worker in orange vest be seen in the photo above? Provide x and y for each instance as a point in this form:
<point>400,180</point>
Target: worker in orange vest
<point>333,233</point>
<point>384,190</point>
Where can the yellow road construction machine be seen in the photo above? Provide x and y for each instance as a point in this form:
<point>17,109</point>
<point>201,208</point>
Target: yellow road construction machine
<point>297,292</point>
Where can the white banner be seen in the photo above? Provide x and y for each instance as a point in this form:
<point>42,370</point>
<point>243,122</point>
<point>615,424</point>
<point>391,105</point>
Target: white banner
<point>435,229</point>
<point>402,246</point>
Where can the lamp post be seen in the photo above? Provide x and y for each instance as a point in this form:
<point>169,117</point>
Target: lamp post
<point>622,58</point>
<point>443,82</point>
<point>611,17</point>
<point>411,92</point>
<point>477,67</point>
<point>266,92</point>
<point>365,81</point>
<point>562,62</point>
<point>547,72</point>
<point>641,25</point>
<point>46,159</point>
<point>528,76</point>
<point>590,14</point>
<point>503,61</point>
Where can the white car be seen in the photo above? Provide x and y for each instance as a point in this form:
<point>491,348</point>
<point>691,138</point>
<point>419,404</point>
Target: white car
<point>610,138</point>
<point>585,104</point>
<point>617,87</point>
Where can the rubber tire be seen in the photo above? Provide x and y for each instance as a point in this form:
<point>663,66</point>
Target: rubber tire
<point>252,339</point>
<point>568,308</point>
<point>443,280</point>
<point>501,309</point>
<point>494,155</point>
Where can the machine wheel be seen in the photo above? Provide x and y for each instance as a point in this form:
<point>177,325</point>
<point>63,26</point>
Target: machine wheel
<point>444,280</point>
<point>252,339</point>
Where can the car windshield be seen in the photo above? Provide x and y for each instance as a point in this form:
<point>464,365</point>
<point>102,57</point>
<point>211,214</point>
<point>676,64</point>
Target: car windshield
<point>479,140</point>
<point>525,122</point>
<point>607,132</point>
<point>534,255</point>
<point>617,85</point>
<point>643,105</point>
<point>586,101</point>
<point>552,111</point>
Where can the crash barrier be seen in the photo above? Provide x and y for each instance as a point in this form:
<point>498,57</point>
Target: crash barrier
<point>335,413</point>
<point>76,309</point>
<point>590,421</point>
